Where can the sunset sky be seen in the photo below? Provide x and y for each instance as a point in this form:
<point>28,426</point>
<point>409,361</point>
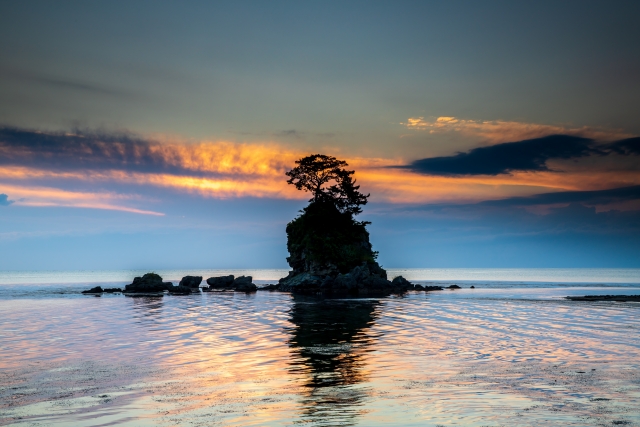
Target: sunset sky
<point>156,134</point>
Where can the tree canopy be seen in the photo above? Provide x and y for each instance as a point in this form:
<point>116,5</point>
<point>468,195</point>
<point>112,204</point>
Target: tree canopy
<point>328,180</point>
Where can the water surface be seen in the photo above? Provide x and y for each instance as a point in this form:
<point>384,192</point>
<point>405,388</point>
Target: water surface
<point>508,353</point>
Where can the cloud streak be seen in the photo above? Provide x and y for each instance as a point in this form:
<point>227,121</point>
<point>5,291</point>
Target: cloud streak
<point>496,131</point>
<point>39,196</point>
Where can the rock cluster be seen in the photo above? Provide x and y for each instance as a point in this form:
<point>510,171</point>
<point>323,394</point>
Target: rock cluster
<point>231,283</point>
<point>151,283</point>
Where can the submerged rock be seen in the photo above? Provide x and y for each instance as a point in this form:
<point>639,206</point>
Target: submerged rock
<point>191,281</point>
<point>180,290</point>
<point>111,290</point>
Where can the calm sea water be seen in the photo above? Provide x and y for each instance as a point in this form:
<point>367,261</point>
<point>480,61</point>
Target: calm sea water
<point>511,352</point>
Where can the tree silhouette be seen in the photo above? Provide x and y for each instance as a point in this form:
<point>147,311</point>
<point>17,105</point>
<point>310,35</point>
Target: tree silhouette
<point>328,180</point>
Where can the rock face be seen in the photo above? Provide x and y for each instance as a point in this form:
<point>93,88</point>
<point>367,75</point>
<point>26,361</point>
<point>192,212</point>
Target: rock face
<point>238,284</point>
<point>191,281</point>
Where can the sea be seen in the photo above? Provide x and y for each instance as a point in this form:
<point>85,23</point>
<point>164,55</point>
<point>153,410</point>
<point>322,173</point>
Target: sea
<point>512,351</point>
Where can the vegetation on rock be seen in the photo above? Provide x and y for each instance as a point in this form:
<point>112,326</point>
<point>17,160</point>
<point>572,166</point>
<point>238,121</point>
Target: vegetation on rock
<point>326,239</point>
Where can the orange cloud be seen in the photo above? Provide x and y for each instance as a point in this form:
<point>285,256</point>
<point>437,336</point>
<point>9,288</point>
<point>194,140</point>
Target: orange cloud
<point>227,170</point>
<point>496,131</point>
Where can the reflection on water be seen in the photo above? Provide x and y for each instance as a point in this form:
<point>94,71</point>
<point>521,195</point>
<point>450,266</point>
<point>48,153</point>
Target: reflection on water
<point>481,357</point>
<point>146,308</point>
<point>330,340</point>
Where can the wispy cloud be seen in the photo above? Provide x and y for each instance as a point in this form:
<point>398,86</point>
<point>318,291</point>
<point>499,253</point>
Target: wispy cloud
<point>47,196</point>
<point>496,131</point>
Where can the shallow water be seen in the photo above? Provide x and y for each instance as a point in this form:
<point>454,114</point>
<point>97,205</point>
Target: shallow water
<point>506,354</point>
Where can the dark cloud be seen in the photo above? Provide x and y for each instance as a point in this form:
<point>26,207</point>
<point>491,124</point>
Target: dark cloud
<point>527,155</point>
<point>4,200</point>
<point>625,146</point>
<point>83,150</point>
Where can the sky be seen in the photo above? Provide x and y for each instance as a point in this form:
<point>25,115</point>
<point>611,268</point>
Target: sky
<point>156,134</point>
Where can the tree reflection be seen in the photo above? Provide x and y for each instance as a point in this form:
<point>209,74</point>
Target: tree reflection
<point>331,339</point>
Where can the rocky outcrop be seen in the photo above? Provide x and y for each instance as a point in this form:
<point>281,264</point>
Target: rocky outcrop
<point>244,284</point>
<point>330,253</point>
<point>365,279</point>
<point>231,283</point>
<point>191,281</point>
<point>220,282</point>
<point>151,283</point>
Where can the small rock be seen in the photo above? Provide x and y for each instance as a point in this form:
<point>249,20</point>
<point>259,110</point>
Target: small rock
<point>402,283</point>
<point>472,287</point>
<point>244,284</point>
<point>149,283</point>
<point>191,281</point>
<point>454,287</point>
<point>96,290</point>
<point>271,287</point>
<point>111,290</point>
<point>220,282</point>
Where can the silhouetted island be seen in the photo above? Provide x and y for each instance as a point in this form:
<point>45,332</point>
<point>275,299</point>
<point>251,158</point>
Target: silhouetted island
<point>329,250</point>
